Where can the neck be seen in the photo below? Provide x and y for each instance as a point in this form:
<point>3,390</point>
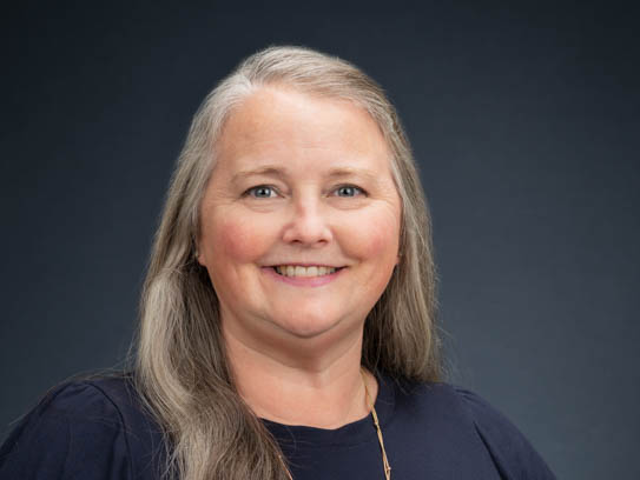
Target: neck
<point>324,390</point>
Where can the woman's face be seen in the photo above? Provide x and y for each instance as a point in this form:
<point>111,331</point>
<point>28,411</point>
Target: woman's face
<point>302,186</point>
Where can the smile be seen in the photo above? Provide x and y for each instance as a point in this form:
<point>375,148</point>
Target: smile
<point>304,276</point>
<point>298,271</point>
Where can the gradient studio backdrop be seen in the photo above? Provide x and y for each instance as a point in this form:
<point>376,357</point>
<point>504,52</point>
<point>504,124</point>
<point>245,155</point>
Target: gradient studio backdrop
<point>525,122</point>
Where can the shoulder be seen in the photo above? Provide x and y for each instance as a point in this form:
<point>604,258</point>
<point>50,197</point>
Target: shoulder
<point>461,414</point>
<point>509,448</point>
<point>90,429</point>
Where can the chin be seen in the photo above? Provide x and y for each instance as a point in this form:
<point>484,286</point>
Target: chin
<point>308,330</point>
<point>309,325</point>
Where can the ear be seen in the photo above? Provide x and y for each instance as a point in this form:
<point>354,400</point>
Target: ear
<point>197,254</point>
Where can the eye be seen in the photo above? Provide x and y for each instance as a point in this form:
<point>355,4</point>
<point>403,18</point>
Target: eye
<point>349,191</point>
<point>260,191</point>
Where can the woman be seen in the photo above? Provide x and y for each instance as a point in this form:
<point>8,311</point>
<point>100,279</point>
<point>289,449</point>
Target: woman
<point>287,322</point>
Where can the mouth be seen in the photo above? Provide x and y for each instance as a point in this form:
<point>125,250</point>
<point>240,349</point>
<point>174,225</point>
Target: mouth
<point>306,271</point>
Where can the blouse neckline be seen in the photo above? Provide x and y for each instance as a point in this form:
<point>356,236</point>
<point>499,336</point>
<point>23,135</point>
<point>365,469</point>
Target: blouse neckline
<point>350,434</point>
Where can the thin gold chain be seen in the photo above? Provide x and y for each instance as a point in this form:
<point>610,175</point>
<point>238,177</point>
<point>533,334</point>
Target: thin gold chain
<point>385,460</point>
<point>376,422</point>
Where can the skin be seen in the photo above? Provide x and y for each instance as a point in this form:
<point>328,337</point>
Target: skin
<point>276,198</point>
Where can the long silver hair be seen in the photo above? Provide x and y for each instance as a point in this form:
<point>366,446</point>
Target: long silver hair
<point>182,371</point>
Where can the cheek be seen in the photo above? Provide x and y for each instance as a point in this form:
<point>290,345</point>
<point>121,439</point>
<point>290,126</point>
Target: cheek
<point>373,237</point>
<point>240,240</point>
<point>374,246</point>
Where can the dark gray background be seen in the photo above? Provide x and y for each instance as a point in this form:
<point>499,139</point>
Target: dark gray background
<point>524,120</point>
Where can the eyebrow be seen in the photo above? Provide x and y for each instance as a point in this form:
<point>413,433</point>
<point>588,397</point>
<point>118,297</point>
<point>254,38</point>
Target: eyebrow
<point>337,172</point>
<point>264,170</point>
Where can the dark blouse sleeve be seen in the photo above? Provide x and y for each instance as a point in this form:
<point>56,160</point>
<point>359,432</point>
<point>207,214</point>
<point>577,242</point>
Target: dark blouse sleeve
<point>512,453</point>
<point>76,432</point>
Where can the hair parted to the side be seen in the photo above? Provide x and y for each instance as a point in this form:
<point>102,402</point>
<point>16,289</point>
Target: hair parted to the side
<point>181,367</point>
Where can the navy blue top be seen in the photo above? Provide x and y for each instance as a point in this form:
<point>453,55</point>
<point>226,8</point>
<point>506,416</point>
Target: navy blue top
<point>97,430</point>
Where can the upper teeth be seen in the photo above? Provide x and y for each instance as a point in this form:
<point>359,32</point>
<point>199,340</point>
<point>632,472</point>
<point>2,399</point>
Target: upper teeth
<point>297,271</point>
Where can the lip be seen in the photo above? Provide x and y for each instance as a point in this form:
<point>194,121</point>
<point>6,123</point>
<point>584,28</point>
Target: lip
<point>303,281</point>
<point>298,264</point>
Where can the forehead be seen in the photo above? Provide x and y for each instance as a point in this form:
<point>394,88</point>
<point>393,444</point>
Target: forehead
<point>283,124</point>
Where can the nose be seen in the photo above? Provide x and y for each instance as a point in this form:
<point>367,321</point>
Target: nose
<point>309,223</point>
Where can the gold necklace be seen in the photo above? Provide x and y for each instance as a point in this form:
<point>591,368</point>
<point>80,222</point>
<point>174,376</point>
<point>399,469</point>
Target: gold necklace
<point>376,422</point>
